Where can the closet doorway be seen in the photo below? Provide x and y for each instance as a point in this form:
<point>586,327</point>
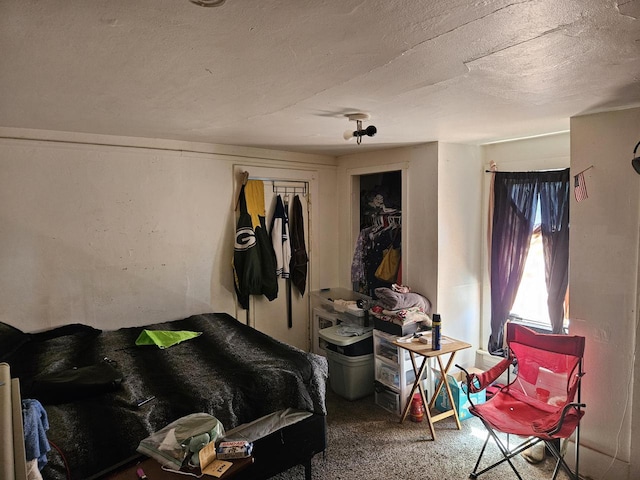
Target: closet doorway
<point>377,229</point>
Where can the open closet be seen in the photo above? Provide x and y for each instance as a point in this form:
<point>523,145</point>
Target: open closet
<point>378,248</point>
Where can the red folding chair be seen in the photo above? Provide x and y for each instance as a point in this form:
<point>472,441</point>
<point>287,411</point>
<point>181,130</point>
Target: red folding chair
<point>542,402</point>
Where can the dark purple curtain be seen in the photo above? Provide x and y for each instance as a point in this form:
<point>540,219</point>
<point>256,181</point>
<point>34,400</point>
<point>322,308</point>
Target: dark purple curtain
<point>554,212</point>
<point>514,211</point>
<point>515,202</point>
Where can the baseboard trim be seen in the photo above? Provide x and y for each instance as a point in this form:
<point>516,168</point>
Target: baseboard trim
<point>596,465</point>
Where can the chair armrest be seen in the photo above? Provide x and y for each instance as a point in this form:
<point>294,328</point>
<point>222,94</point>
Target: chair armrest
<point>478,382</point>
<point>556,427</point>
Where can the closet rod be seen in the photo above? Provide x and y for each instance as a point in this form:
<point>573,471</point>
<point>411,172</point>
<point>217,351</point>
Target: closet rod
<point>551,170</point>
<point>298,186</point>
<point>280,180</point>
<point>290,190</point>
<point>285,189</point>
<point>246,176</point>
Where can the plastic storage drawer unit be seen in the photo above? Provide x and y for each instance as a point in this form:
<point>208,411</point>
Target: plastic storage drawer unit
<point>387,399</point>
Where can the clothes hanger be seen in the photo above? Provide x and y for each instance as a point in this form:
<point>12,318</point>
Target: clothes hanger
<point>245,177</point>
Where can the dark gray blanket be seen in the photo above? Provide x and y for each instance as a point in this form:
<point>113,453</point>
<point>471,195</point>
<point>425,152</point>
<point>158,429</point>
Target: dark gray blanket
<point>231,371</point>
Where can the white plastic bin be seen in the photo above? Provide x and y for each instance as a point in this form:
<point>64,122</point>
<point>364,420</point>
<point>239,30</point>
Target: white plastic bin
<point>350,346</point>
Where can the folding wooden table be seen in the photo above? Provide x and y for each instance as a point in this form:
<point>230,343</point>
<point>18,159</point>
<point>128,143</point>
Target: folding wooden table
<point>417,348</point>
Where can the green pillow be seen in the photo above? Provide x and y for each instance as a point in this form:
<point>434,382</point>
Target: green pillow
<point>165,338</point>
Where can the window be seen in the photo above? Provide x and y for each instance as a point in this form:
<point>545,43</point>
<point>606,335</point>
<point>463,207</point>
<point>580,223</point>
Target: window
<point>518,199</point>
<point>530,305</point>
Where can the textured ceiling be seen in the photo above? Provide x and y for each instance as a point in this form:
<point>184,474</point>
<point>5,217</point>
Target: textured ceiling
<point>282,74</point>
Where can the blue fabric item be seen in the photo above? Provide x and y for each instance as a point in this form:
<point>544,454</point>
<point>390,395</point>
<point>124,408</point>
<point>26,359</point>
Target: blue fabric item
<point>36,424</point>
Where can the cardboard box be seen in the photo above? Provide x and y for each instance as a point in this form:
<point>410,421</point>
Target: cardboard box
<point>456,380</point>
<point>233,450</point>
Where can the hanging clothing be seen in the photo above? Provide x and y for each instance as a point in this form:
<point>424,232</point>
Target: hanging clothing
<point>254,194</point>
<point>254,262</point>
<point>369,252</point>
<point>246,261</point>
<point>378,243</point>
<point>269,283</point>
<point>279,233</point>
<point>358,266</point>
<point>299,258</point>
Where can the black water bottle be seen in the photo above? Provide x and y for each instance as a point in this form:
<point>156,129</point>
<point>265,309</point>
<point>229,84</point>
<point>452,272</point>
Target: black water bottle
<point>435,331</point>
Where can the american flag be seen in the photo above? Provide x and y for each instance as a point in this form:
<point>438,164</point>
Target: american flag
<point>580,187</point>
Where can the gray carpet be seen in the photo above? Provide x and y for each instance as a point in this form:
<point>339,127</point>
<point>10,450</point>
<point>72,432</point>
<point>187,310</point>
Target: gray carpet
<point>365,442</point>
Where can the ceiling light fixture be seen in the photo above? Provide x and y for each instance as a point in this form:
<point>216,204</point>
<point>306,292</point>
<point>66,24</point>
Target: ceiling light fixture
<point>370,131</point>
<point>208,3</point>
<point>635,163</point>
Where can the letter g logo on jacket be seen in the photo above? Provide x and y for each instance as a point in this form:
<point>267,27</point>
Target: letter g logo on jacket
<point>245,238</point>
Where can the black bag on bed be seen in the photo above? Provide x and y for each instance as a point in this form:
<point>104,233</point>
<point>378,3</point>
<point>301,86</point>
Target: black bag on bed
<point>75,383</point>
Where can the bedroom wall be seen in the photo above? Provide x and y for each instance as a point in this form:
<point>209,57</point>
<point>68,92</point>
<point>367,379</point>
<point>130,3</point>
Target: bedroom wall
<point>604,288</point>
<point>110,235</point>
<point>440,213</point>
<point>460,176</point>
<point>419,211</point>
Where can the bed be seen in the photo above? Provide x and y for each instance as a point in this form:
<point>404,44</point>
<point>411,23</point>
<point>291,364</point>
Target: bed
<point>231,371</point>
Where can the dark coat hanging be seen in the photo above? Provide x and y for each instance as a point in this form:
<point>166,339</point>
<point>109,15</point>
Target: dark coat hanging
<point>254,262</point>
<point>299,258</point>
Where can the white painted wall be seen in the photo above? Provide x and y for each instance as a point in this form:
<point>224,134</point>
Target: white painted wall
<point>441,224</point>
<point>113,236</point>
<point>420,251</point>
<point>604,288</point>
<point>419,212</point>
<point>460,176</point>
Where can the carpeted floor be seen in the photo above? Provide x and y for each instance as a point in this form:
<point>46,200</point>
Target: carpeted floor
<point>365,442</point>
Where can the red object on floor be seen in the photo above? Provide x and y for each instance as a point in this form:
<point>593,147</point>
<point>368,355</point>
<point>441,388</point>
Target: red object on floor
<point>417,408</point>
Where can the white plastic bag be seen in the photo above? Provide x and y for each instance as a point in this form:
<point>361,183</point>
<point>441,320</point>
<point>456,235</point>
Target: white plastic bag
<point>181,440</point>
